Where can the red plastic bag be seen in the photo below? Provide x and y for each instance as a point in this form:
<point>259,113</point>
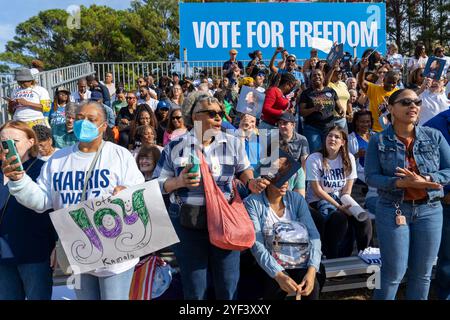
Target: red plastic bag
<point>229,225</point>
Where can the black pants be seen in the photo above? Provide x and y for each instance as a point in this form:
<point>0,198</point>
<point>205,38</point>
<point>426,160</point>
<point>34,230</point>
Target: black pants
<point>272,290</point>
<point>339,232</point>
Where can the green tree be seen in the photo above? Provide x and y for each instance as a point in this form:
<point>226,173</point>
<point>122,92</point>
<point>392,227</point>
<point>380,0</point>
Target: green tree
<point>147,31</point>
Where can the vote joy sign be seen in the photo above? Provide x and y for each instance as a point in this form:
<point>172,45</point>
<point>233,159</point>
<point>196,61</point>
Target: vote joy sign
<point>209,30</point>
<point>109,230</point>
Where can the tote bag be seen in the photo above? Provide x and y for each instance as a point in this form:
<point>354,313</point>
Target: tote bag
<point>229,225</point>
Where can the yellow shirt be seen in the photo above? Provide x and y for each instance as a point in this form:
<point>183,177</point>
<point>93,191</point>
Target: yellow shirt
<point>342,93</point>
<point>378,98</point>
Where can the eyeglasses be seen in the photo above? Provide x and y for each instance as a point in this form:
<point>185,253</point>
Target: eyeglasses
<point>408,102</point>
<point>177,118</point>
<point>212,113</point>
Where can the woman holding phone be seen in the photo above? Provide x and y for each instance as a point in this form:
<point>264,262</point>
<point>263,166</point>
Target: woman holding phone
<point>27,239</point>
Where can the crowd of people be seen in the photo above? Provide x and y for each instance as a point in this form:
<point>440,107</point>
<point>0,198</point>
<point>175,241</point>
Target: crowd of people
<point>356,122</point>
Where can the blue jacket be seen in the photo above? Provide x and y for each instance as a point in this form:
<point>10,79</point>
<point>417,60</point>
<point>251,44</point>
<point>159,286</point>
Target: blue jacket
<point>25,236</point>
<point>441,122</point>
<point>386,152</point>
<point>258,208</point>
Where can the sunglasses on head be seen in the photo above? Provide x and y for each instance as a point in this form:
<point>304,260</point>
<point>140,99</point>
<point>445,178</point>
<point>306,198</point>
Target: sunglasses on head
<point>408,102</point>
<point>212,113</point>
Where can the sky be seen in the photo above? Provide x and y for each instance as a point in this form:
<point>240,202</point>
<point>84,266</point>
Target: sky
<point>15,12</point>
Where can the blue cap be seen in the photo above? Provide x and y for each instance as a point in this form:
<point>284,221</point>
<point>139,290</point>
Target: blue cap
<point>96,95</point>
<point>162,104</point>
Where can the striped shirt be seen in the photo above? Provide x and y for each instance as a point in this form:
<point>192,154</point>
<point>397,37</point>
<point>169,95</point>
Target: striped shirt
<point>225,156</point>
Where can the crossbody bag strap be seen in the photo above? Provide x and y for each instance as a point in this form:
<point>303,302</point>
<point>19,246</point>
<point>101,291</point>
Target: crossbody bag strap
<point>89,172</point>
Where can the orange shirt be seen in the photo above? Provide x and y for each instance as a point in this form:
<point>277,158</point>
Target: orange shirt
<point>412,193</point>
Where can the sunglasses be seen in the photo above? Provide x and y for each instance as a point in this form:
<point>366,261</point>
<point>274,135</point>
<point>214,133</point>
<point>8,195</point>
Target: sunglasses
<point>177,118</point>
<point>290,60</point>
<point>408,102</point>
<point>131,98</point>
<point>212,113</point>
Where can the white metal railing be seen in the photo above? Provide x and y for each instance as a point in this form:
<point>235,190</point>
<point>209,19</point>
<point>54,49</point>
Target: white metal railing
<point>66,76</point>
<point>126,73</point>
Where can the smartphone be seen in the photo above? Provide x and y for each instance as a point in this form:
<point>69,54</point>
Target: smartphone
<point>12,151</point>
<point>193,159</point>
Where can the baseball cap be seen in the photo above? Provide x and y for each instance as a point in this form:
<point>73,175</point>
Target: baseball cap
<point>233,51</point>
<point>63,89</point>
<point>163,105</point>
<point>23,74</point>
<point>96,95</point>
<point>287,116</point>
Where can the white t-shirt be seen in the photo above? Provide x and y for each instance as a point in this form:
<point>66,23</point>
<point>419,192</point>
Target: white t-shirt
<point>273,218</point>
<point>35,94</point>
<point>432,104</point>
<point>447,89</point>
<point>62,175</point>
<point>395,59</point>
<point>152,103</point>
<point>75,96</point>
<point>331,180</point>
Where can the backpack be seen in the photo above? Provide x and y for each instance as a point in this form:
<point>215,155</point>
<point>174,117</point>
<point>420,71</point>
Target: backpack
<point>290,245</point>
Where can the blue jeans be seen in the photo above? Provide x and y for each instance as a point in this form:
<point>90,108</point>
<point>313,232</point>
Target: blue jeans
<point>315,137</point>
<point>413,246</point>
<point>116,287</point>
<point>196,257</point>
<point>443,266</point>
<point>31,281</point>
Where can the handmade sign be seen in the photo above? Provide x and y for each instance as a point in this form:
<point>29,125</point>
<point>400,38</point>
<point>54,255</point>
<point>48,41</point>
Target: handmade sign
<point>108,230</point>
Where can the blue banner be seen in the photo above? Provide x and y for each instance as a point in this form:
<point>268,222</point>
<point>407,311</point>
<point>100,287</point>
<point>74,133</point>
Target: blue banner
<point>209,30</point>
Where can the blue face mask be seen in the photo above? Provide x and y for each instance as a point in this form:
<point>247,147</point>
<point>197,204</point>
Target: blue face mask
<point>85,131</point>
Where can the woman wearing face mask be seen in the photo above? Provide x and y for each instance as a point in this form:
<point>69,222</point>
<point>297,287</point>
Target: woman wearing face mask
<point>280,205</point>
<point>147,158</point>
<point>408,164</point>
<point>57,187</point>
<point>27,239</point>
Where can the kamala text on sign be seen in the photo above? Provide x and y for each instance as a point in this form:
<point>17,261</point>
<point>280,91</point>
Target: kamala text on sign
<point>209,29</point>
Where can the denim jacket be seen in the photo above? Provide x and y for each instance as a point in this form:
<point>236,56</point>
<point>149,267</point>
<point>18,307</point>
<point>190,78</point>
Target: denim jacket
<point>386,152</point>
<point>258,208</point>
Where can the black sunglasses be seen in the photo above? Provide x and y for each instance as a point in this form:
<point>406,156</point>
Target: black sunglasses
<point>177,118</point>
<point>408,102</point>
<point>212,113</point>
<point>290,60</point>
